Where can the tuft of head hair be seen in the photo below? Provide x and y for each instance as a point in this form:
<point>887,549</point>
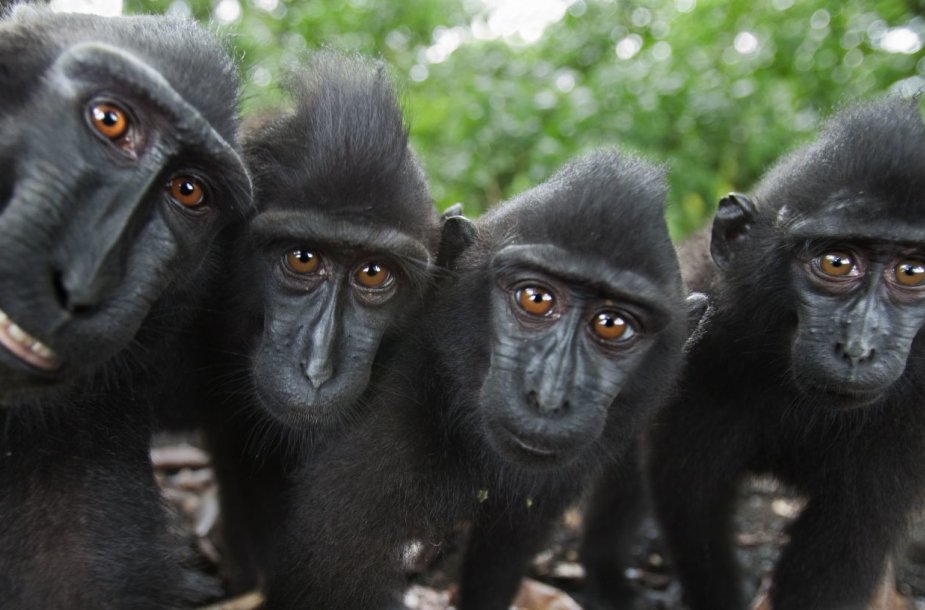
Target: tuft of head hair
<point>608,204</point>
<point>343,148</point>
<point>874,150</point>
<point>190,58</point>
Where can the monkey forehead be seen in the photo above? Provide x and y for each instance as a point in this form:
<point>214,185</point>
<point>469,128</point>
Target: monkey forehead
<point>92,64</point>
<point>188,56</point>
<point>587,270</point>
<point>309,226</point>
<point>856,216</point>
<point>868,162</point>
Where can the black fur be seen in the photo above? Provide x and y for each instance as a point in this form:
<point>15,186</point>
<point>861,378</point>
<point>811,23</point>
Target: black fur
<point>815,380</point>
<point>433,451</point>
<point>334,176</point>
<point>101,265</point>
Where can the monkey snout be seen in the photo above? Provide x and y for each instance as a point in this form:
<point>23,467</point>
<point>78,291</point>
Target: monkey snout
<point>546,405</point>
<point>855,352</point>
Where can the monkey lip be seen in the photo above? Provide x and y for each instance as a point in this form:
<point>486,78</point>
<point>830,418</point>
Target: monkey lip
<point>531,448</point>
<point>26,347</point>
<point>521,443</point>
<point>843,393</point>
<point>854,397</point>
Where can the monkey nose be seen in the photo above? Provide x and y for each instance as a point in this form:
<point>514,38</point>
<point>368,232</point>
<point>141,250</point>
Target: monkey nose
<point>855,352</point>
<point>318,371</point>
<point>546,405</point>
<point>75,296</point>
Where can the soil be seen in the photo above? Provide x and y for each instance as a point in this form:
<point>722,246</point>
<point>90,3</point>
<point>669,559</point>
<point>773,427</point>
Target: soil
<point>186,477</point>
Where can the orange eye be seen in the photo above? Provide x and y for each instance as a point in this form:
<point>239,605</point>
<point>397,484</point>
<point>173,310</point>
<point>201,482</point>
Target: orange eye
<point>373,275</point>
<point>837,264</point>
<point>303,261</point>
<point>535,301</point>
<point>611,326</point>
<point>911,273</point>
<point>109,120</point>
<point>187,191</point>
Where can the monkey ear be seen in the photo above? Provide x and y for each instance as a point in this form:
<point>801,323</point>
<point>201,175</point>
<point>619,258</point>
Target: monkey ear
<point>458,234</point>
<point>454,210</point>
<point>696,303</point>
<point>733,219</point>
<point>698,315</point>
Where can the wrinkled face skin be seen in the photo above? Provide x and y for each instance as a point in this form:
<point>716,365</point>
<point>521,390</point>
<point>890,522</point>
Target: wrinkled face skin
<point>567,333</point>
<point>111,186</point>
<point>861,306</point>
<point>334,290</point>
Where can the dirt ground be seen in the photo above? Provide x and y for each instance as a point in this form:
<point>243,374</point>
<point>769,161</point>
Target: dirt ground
<point>185,475</point>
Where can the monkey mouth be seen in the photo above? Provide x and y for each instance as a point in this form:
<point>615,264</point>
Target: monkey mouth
<point>26,347</point>
<point>853,397</point>
<point>532,448</point>
<point>529,449</point>
<point>303,408</point>
<point>840,396</point>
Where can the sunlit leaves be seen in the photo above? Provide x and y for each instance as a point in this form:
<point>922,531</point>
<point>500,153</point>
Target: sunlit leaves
<point>716,89</point>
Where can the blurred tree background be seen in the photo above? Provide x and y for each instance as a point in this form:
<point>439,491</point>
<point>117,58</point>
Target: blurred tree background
<point>499,93</point>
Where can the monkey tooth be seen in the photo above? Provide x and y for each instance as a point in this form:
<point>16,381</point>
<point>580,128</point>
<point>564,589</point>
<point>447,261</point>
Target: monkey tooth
<point>26,347</point>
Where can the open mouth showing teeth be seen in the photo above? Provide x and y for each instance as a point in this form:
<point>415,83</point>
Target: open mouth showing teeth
<point>26,347</point>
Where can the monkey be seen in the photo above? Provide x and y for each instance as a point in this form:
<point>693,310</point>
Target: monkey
<point>553,332</point>
<point>809,368</point>
<point>336,264</point>
<point>118,168</point>
<point>614,511</point>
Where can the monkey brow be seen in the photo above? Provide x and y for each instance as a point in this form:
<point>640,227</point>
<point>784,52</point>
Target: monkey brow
<point>316,227</point>
<point>82,62</point>
<point>839,228</point>
<point>605,277</point>
<point>851,216</point>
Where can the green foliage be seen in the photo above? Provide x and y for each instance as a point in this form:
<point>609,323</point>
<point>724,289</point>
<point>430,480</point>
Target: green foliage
<point>715,89</point>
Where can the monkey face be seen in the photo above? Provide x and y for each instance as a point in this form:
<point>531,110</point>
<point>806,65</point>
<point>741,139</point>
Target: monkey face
<point>333,291</point>
<point>114,193</point>
<point>861,307</point>
<point>562,350</point>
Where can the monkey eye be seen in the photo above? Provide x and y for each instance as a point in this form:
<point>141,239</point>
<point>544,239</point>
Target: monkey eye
<point>535,300</point>
<point>612,325</point>
<point>837,265</point>
<point>372,274</point>
<point>910,273</point>
<point>187,191</point>
<point>109,120</point>
<point>302,261</point>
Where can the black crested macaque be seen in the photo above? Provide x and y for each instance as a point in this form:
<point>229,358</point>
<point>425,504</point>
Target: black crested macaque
<point>811,369</point>
<point>117,170</point>
<point>615,511</point>
<point>339,264</point>
<point>557,330</point>
<point>610,523</point>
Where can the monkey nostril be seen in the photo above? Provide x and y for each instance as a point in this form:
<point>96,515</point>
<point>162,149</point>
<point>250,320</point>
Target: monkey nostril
<point>854,354</point>
<point>840,351</point>
<point>534,402</point>
<point>66,298</point>
<point>61,293</point>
